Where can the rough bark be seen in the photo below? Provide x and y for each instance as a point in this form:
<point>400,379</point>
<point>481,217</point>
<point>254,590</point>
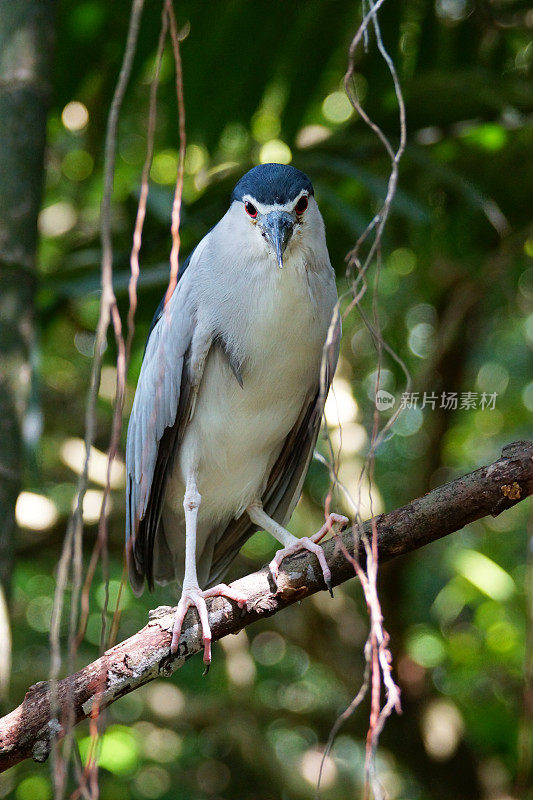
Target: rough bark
<point>26,731</point>
<point>26,44</point>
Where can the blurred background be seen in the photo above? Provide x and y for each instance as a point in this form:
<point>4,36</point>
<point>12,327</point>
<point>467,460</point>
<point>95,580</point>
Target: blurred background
<point>263,82</point>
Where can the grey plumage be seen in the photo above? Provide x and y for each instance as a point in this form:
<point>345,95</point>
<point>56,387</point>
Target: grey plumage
<point>229,392</point>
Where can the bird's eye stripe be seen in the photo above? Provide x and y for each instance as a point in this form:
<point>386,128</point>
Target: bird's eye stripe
<point>250,209</point>
<point>302,204</point>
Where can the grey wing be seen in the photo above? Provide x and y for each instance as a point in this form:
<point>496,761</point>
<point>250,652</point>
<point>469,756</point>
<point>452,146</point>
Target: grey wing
<point>160,412</point>
<point>287,476</point>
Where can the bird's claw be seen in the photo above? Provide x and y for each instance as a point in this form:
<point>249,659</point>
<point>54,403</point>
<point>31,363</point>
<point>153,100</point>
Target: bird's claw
<point>310,543</point>
<point>334,522</point>
<point>196,597</point>
<point>207,653</point>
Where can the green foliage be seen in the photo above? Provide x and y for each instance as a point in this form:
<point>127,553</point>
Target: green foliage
<point>264,81</point>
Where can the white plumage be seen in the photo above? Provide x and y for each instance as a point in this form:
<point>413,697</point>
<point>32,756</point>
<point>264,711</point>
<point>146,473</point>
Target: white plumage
<point>229,383</point>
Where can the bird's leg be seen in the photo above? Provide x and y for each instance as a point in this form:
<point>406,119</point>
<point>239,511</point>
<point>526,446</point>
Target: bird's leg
<point>191,594</point>
<point>292,544</point>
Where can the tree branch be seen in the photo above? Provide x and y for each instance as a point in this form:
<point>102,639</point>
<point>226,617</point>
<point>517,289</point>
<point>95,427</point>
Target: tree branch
<point>27,731</point>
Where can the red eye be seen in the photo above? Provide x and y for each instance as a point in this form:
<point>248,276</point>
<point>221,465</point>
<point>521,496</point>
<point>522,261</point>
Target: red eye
<point>251,210</point>
<point>301,205</point>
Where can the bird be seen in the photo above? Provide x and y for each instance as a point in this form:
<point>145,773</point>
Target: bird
<point>230,395</point>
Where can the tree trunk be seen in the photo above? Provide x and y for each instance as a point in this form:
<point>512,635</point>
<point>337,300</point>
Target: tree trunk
<point>26,44</point>
<point>26,41</point>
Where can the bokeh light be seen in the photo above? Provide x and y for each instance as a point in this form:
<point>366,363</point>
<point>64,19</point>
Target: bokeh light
<point>57,219</point>
<point>34,787</point>
<point>402,261</point>
<point>492,377</point>
<point>442,729</point>
<point>421,339</point>
<point>275,151</point>
<point>340,405</point>
<point>164,699</point>
<point>165,167</point>
<point>240,667</point>
<point>268,648</point>
<point>75,116</point>
<point>337,108</point>
<point>484,574</point>
<point>152,782</point>
<point>72,453</point>
<point>196,158</point>
<point>119,750</point>
<point>311,135</point>
<point>311,765</point>
<point>425,647</point>
<point>527,396</point>
<point>77,165</point>
<point>35,511</point>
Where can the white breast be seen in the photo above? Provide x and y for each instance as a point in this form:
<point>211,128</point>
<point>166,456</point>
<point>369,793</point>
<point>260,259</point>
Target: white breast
<point>237,432</point>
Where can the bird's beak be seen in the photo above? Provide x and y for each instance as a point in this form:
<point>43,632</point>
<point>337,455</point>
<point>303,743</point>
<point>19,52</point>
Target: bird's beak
<point>277,228</point>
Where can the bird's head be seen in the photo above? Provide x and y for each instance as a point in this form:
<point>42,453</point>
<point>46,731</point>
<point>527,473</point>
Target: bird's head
<point>273,203</point>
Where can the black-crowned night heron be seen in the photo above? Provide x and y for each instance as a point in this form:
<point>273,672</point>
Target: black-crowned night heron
<point>228,404</point>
